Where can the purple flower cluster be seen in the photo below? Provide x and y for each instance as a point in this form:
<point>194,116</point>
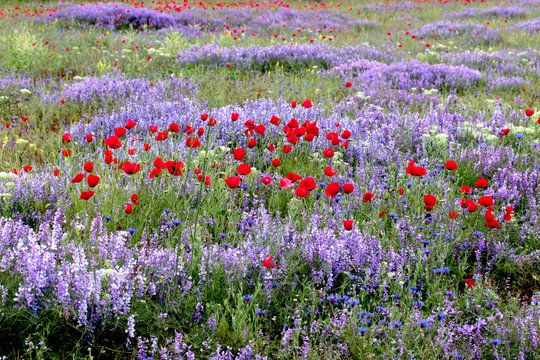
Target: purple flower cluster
<point>473,32</point>
<point>491,13</point>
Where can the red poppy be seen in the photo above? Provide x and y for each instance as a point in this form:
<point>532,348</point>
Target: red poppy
<point>507,217</point>
<point>268,263</point>
<point>66,152</point>
<point>239,154</point>
<point>212,122</point>
<point>276,162</point>
<point>465,189</point>
<point>509,210</point>
<point>470,283</point>
<point>429,201</point>
<point>175,168</point>
<point>293,177</point>
<point>335,140</point>
<point>271,147</point>
<point>192,142</point>
<point>489,216</point>
<point>159,163</point>
<point>472,206</point>
<point>301,192</point>
<point>204,117</point>
<point>415,170</point>
<point>485,201</point>
<point>493,224</point>
<point>367,197</point>
<point>266,180</point>
<point>382,213</point>
<point>308,183</point>
<point>453,215</point>
<point>147,147</point>
<point>92,180</point>
<point>346,134</point>
<point>286,149</point>
<point>113,142</point>
<point>275,120</point>
<point>66,137</point>
<point>233,181</point>
<point>328,153</point>
<point>234,116</point>
<point>348,188</point>
<point>529,112</point>
<point>293,124</point>
<point>332,189</point>
<point>129,209</point>
<point>200,132</point>
<point>329,172</point>
<point>307,104</point>
<point>85,195</point>
<point>348,224</point>
<point>348,84</point>
<point>451,165</point>
<point>481,183</point>
<point>504,132</point>
<point>174,128</point>
<point>293,104</point>
<point>243,169</point>
<point>134,199</point>
<point>77,179</point>
<point>155,172</point>
<point>131,168</point>
<point>260,129</point>
<point>130,124</point>
<point>89,137</point>
<point>162,136</point>
<point>56,172</point>
<point>120,131</point>
<point>153,128</point>
<point>88,167</point>
<point>251,143</point>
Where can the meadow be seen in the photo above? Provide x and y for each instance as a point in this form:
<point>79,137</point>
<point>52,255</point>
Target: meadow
<point>270,179</point>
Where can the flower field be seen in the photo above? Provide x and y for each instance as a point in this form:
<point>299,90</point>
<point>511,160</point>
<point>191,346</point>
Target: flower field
<point>270,180</point>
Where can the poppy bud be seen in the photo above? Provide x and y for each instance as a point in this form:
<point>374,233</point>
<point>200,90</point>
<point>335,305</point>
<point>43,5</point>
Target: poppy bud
<point>348,224</point>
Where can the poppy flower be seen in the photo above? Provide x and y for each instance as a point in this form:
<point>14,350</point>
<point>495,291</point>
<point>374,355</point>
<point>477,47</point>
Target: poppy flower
<point>332,189</point>
<point>346,134</point>
<point>470,283</point>
<point>485,201</point>
<point>239,154</point>
<point>329,172</point>
<point>131,168</point>
<point>56,172</point>
<point>307,104</point>
<point>268,263</point>
<point>233,181</point>
<point>453,215</point>
<point>147,147</point>
<point>260,129</point>
<point>275,120</point>
<point>66,137</point>
<point>504,132</point>
<point>465,189</point>
<point>234,116</point>
<point>113,142</point>
<point>367,197</point>
<point>285,183</point>
<point>153,128</point>
<point>155,172</point>
<point>204,117</point>
<point>85,195</point>
<point>507,217</point>
<point>529,112</point>
<point>243,169</point>
<point>134,199</point>
<point>348,84</point>
<point>328,153</point>
<point>308,183</point>
<point>348,224</point>
<point>130,124</point>
<point>451,165</point>
<point>348,188</point>
<point>174,128</point>
<point>77,178</point>
<point>212,122</point>
<point>66,152</point>
<point>481,183</point>
<point>509,210</point>
<point>293,177</point>
<point>271,147</point>
<point>200,132</point>
<point>120,131</point>
<point>251,143</point>
<point>293,104</point>
<point>382,213</point>
<point>108,159</point>
<point>175,168</point>
<point>192,142</point>
<point>493,224</point>
<point>92,180</point>
<point>88,167</point>
<point>429,201</point>
<point>472,206</point>
<point>335,140</point>
<point>415,170</point>
<point>301,192</point>
<point>129,209</point>
<point>162,136</point>
<point>266,180</point>
<point>489,216</point>
<point>276,162</point>
<point>286,149</point>
<point>89,137</point>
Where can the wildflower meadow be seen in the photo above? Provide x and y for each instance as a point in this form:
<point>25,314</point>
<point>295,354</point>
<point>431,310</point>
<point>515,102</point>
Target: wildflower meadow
<point>222,179</point>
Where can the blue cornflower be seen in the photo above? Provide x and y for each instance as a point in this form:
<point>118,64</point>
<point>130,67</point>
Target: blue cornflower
<point>495,341</point>
<point>409,184</point>
<point>441,316</point>
<point>226,245</point>
<point>176,222</point>
<point>424,323</point>
<point>108,218</point>
<point>222,235</point>
<point>260,312</point>
<point>352,301</point>
<point>519,136</point>
<point>363,330</point>
<point>247,298</point>
<point>449,293</point>
<point>331,298</point>
<point>417,303</point>
<point>132,231</point>
<point>167,211</point>
<point>396,324</point>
